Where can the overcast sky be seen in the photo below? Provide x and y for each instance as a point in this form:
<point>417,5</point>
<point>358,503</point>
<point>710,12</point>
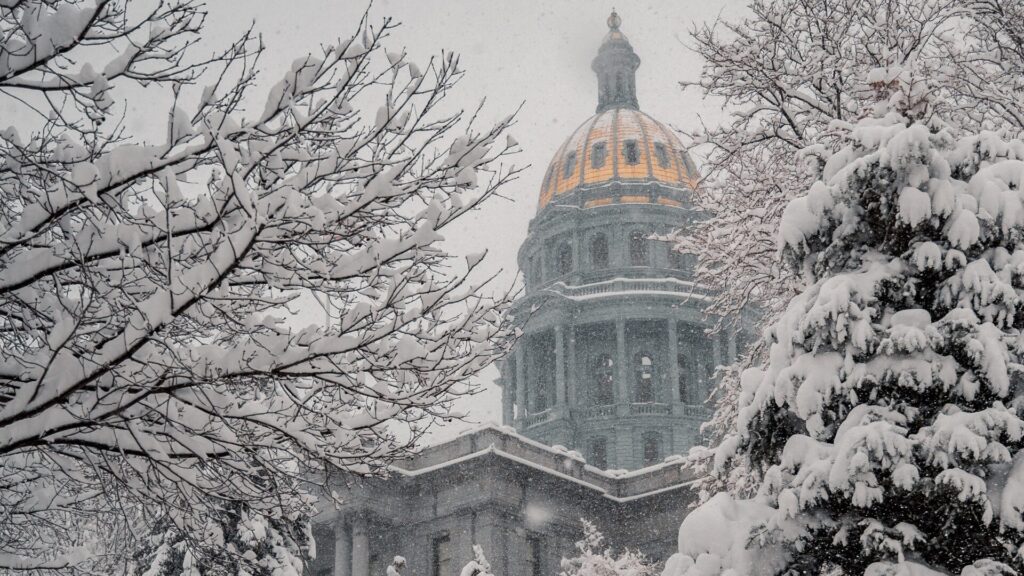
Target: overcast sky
<point>536,53</point>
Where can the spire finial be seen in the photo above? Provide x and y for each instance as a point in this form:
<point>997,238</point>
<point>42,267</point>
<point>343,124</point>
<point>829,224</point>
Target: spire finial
<point>614,21</point>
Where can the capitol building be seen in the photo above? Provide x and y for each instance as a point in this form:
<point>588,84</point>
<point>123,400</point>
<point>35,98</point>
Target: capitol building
<point>608,382</point>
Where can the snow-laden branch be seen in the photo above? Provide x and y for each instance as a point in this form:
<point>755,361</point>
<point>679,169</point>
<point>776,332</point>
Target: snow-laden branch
<point>256,301</point>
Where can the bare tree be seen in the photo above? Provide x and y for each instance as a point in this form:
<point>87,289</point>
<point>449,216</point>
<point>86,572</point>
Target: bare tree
<point>215,318</point>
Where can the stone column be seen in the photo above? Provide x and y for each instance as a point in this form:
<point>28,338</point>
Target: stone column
<point>559,368</point>
<point>620,357</point>
<point>673,362</point>
<point>716,348</point>
<point>360,548</point>
<point>521,378</point>
<point>572,381</point>
<point>342,549</point>
<point>507,402</point>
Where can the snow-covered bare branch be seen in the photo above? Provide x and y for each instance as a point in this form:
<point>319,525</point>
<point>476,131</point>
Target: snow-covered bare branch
<point>251,300</point>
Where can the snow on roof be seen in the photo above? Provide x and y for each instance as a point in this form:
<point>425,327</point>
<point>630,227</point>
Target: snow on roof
<point>606,482</point>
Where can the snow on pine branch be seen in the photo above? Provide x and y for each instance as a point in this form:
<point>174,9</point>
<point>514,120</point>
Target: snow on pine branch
<point>255,301</point>
<point>791,72</point>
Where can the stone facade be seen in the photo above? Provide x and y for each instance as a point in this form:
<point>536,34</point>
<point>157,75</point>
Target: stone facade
<point>520,500</point>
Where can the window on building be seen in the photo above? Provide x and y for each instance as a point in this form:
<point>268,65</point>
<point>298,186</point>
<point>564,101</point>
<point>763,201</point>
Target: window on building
<point>598,457</point>
<point>680,261</point>
<point>598,155</point>
<point>686,385</point>
<point>570,165</point>
<point>563,258</point>
<point>691,168</point>
<point>599,251</point>
<point>604,380</point>
<point>661,153</point>
<point>536,272</point>
<point>631,152</point>
<point>638,248</point>
<point>534,555</point>
<point>652,448</point>
<point>549,177</point>
<point>644,368</point>
<point>441,557</point>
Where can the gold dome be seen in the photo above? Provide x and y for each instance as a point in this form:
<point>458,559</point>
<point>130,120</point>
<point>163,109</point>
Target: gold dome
<point>619,145</point>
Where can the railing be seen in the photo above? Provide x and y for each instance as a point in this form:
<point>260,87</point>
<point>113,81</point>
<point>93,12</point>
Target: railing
<point>697,411</point>
<point>538,418</point>
<point>598,411</point>
<point>631,286</point>
<point>649,408</point>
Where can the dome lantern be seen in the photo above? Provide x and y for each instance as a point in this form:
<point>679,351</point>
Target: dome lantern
<point>615,66</point>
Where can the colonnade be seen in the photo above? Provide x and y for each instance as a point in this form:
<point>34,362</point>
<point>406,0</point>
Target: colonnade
<point>567,381</point>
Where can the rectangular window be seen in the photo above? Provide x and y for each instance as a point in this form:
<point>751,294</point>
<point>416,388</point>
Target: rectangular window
<point>661,154</point>
<point>570,165</point>
<point>442,556</point>
<point>652,450</point>
<point>631,152</point>
<point>599,453</point>
<point>598,155</point>
<point>534,555</point>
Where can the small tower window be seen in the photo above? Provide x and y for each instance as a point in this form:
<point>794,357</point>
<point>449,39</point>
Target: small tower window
<point>652,448</point>
<point>564,258</point>
<point>638,248</point>
<point>604,380</point>
<point>599,251</point>
<point>644,366</point>
<point>599,452</point>
<point>598,155</point>
<point>661,153</point>
<point>570,165</point>
<point>631,152</point>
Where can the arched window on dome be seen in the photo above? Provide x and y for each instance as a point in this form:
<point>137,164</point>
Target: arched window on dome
<point>598,155</point>
<point>631,152</point>
<point>691,168</point>
<point>570,165</point>
<point>599,251</point>
<point>563,258</point>
<point>618,85</point>
<point>638,248</point>
<point>603,378</point>
<point>651,448</point>
<point>661,153</point>
<point>643,367</point>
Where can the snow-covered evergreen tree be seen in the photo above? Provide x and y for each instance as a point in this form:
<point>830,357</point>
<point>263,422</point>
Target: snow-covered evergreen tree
<point>886,423</point>
<point>788,71</point>
<point>595,558</point>
<point>236,541</point>
<point>246,294</point>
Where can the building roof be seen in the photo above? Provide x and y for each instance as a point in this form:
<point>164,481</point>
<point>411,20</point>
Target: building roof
<point>556,462</point>
<point>619,143</point>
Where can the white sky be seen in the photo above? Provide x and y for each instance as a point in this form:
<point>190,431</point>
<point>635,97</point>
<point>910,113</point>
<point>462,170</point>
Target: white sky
<point>534,52</point>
